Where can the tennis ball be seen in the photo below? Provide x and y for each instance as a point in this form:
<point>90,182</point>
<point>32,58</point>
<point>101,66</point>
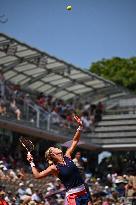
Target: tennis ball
<point>69,8</point>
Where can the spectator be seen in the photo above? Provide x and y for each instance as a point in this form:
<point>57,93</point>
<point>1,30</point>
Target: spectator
<point>120,186</point>
<point>9,198</point>
<point>24,197</point>
<point>106,201</point>
<point>21,174</point>
<point>131,187</point>
<point>41,100</point>
<point>55,118</point>
<point>2,200</point>
<point>2,109</point>
<point>87,123</point>
<point>100,106</point>
<point>79,163</point>
<point>29,190</point>
<point>2,106</point>
<point>12,175</point>
<point>36,197</point>
<point>15,109</point>
<point>2,85</point>
<point>98,112</point>
<point>2,175</point>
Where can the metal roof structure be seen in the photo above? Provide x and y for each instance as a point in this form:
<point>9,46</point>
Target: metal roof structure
<point>38,71</point>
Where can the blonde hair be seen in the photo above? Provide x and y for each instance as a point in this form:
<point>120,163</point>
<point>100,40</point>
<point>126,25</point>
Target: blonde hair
<point>48,156</point>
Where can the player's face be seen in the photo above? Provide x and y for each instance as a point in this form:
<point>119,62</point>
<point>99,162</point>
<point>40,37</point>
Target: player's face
<point>56,154</point>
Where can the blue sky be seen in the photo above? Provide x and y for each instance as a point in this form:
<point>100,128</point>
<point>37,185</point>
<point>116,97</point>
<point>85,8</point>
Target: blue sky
<point>93,30</point>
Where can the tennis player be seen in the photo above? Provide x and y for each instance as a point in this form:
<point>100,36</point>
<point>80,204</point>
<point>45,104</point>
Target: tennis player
<point>64,168</point>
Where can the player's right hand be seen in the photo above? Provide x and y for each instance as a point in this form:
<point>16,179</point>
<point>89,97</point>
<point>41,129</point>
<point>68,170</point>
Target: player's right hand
<point>29,157</point>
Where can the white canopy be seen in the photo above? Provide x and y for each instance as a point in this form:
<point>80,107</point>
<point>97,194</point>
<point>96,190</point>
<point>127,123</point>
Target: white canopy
<point>38,71</point>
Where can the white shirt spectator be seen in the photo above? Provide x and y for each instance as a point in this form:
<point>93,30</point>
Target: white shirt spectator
<point>86,121</point>
<point>35,197</point>
<point>21,191</point>
<point>28,191</point>
<point>55,119</point>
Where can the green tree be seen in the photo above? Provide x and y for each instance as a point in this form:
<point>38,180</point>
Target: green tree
<point>119,70</point>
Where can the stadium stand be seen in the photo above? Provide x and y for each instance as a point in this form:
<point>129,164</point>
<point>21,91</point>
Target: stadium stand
<point>38,96</point>
<point>116,131</point>
<point>36,90</point>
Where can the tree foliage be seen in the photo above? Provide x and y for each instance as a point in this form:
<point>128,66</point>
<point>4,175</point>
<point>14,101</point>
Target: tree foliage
<point>119,70</point>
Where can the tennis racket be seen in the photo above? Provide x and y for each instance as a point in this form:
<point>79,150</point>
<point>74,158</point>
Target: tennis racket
<point>27,144</point>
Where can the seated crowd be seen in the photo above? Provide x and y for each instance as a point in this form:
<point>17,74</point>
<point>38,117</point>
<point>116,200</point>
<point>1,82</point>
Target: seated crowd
<point>107,185</point>
<point>14,100</point>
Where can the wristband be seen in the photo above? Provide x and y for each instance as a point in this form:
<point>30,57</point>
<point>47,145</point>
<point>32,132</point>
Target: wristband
<point>32,164</point>
<point>79,128</point>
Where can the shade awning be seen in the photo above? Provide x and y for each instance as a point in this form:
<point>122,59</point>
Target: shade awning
<point>41,72</point>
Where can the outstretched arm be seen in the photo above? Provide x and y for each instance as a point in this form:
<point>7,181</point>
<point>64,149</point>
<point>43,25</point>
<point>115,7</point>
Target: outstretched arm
<point>50,170</point>
<point>76,138</point>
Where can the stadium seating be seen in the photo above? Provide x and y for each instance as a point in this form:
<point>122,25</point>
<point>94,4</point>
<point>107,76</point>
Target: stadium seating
<point>114,131</point>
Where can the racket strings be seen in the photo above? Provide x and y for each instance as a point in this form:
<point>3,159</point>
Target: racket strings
<point>27,144</point>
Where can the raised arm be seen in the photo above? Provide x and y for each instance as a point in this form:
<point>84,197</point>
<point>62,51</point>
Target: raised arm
<point>76,138</point>
<point>50,170</point>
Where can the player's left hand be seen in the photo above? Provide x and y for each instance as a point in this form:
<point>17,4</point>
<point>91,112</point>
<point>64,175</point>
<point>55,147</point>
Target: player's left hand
<point>78,120</point>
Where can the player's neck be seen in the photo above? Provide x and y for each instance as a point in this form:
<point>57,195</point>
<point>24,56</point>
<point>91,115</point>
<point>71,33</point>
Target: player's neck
<point>62,162</point>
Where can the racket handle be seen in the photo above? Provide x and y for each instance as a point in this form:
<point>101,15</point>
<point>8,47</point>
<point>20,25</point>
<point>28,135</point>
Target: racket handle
<point>29,153</point>
<point>32,164</point>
